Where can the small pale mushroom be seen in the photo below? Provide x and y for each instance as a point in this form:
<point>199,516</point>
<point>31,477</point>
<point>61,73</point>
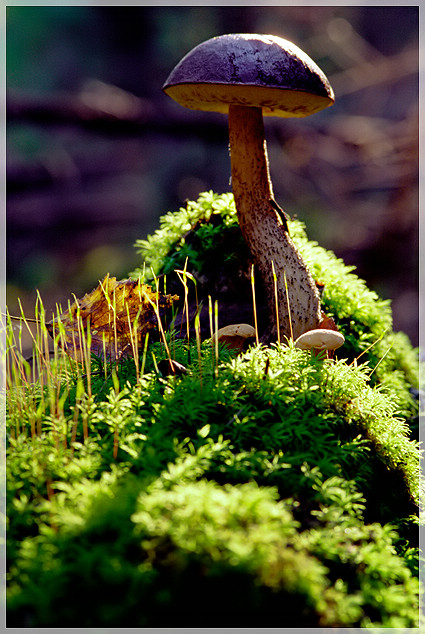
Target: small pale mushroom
<point>320,339</point>
<point>235,336</point>
<point>247,76</point>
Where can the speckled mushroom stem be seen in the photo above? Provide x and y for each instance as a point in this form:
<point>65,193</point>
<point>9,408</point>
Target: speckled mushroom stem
<point>264,231</point>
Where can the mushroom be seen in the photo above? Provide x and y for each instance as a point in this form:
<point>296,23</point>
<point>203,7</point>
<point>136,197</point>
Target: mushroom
<point>320,339</point>
<point>245,76</point>
<point>235,336</point>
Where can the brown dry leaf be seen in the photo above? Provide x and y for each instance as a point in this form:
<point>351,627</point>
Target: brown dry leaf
<point>328,323</point>
<point>116,314</point>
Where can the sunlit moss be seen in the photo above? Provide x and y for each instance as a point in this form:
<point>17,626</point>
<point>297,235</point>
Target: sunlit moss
<point>270,489</point>
<point>360,314</point>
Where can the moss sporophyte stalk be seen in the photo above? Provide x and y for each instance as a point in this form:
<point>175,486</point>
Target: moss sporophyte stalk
<point>278,484</point>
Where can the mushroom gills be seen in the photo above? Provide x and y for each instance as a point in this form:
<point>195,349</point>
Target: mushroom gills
<point>218,98</point>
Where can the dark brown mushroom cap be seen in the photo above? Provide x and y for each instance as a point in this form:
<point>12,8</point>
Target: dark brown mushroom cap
<point>250,70</point>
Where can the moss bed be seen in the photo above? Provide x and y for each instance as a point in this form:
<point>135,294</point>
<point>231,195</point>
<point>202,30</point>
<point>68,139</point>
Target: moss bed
<point>273,489</point>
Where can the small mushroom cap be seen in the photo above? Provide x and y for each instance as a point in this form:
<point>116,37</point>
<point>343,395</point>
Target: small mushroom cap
<point>320,339</point>
<point>235,336</point>
<point>247,69</point>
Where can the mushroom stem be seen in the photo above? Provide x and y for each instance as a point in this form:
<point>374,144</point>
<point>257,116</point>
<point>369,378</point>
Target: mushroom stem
<point>264,231</point>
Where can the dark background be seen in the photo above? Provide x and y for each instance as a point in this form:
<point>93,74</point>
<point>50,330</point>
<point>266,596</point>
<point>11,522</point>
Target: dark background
<point>96,153</point>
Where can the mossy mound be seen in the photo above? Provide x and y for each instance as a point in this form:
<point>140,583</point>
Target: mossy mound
<point>270,489</point>
<point>205,239</point>
<point>286,497</point>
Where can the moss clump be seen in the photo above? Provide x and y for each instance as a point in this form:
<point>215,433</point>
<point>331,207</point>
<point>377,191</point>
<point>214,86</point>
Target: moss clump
<point>205,236</point>
<point>294,487</point>
<point>165,557</point>
<point>271,489</point>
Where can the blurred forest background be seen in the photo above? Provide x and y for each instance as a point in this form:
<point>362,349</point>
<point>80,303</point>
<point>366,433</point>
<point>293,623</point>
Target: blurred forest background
<point>96,153</point>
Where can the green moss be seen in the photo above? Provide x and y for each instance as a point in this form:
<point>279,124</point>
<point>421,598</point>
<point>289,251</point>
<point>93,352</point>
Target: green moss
<point>277,490</point>
<point>157,250</point>
<point>127,553</point>
<point>261,485</point>
<point>197,234</point>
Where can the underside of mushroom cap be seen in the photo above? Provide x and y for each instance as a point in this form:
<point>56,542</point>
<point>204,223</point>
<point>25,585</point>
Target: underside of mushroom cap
<point>250,70</point>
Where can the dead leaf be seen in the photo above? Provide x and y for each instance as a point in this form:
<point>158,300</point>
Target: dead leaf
<point>328,323</point>
<point>112,320</point>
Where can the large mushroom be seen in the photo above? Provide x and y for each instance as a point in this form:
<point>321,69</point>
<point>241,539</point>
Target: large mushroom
<point>245,76</point>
